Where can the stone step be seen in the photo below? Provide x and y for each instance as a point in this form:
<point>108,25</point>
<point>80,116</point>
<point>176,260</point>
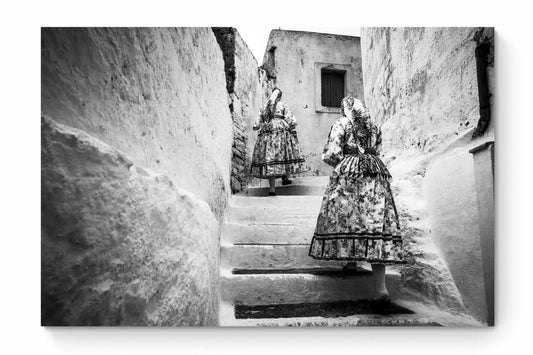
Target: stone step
<point>271,256</point>
<point>325,309</point>
<point>276,202</point>
<point>311,185</point>
<point>273,233</point>
<point>423,315</point>
<point>349,321</point>
<point>304,215</point>
<point>265,289</point>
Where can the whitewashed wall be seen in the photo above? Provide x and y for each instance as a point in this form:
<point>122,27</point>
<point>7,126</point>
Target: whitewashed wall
<point>136,159</point>
<point>421,84</point>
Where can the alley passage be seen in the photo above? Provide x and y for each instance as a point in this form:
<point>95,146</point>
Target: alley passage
<point>268,278</point>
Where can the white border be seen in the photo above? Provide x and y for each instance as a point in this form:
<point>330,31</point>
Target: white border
<point>20,177</point>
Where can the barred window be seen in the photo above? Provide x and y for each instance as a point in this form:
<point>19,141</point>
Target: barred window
<point>332,83</point>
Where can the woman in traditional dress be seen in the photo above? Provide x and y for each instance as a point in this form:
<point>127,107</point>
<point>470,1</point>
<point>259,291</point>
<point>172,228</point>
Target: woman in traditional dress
<point>358,220</point>
<point>277,153</point>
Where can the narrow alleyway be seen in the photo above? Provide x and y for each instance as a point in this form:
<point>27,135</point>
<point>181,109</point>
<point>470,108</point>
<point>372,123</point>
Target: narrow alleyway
<point>267,278</point>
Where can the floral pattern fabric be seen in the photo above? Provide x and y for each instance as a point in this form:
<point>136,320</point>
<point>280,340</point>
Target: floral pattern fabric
<point>358,220</point>
<point>277,151</point>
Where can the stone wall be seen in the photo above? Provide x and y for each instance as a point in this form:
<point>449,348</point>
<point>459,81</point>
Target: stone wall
<point>138,134</point>
<point>248,88</point>
<point>421,84</point>
<point>291,59</point>
<point>156,94</point>
<point>120,245</point>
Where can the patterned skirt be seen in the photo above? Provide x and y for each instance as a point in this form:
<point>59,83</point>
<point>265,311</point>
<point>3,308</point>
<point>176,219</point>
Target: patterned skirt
<point>358,220</point>
<point>277,153</point>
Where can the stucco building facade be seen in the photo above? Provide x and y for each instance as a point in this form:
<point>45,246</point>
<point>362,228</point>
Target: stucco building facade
<point>314,71</point>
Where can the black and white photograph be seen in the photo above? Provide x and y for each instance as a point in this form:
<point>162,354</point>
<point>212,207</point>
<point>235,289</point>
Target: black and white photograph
<point>343,180</point>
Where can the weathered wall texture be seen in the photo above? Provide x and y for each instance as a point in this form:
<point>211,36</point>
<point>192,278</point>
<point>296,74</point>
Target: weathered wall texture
<point>156,94</point>
<point>291,57</point>
<point>121,245</point>
<point>123,242</point>
<point>248,88</point>
<point>450,191</point>
<point>421,84</point>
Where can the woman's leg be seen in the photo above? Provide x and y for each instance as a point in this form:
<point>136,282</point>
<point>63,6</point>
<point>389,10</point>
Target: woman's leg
<point>378,271</point>
<point>272,182</point>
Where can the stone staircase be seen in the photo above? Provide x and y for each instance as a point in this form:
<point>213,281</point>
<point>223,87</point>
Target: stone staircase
<point>267,278</point>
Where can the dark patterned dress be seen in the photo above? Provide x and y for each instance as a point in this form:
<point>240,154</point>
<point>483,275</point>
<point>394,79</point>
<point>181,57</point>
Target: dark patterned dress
<point>358,220</point>
<point>277,152</point>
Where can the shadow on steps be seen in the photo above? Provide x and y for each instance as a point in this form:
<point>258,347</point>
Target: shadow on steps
<point>325,271</point>
<point>327,309</point>
<point>315,185</point>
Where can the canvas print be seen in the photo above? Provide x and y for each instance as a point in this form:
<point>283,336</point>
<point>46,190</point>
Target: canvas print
<point>341,178</point>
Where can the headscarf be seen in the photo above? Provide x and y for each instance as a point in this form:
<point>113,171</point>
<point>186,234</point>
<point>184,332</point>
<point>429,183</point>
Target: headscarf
<point>363,125</point>
<point>271,104</point>
<point>347,102</point>
<point>355,106</point>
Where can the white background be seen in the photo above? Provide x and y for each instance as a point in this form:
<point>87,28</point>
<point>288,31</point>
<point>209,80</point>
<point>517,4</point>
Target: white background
<point>20,177</point>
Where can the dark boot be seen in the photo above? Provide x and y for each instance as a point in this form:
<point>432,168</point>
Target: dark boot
<point>350,268</point>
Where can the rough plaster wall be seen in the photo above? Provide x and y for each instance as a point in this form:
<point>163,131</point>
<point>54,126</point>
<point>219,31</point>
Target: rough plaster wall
<point>157,94</point>
<point>295,57</point>
<point>120,244</point>
<point>451,195</point>
<point>421,84</point>
<point>248,87</point>
<point>425,278</point>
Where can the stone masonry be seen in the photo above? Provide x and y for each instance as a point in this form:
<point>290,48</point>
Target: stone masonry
<point>248,88</point>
